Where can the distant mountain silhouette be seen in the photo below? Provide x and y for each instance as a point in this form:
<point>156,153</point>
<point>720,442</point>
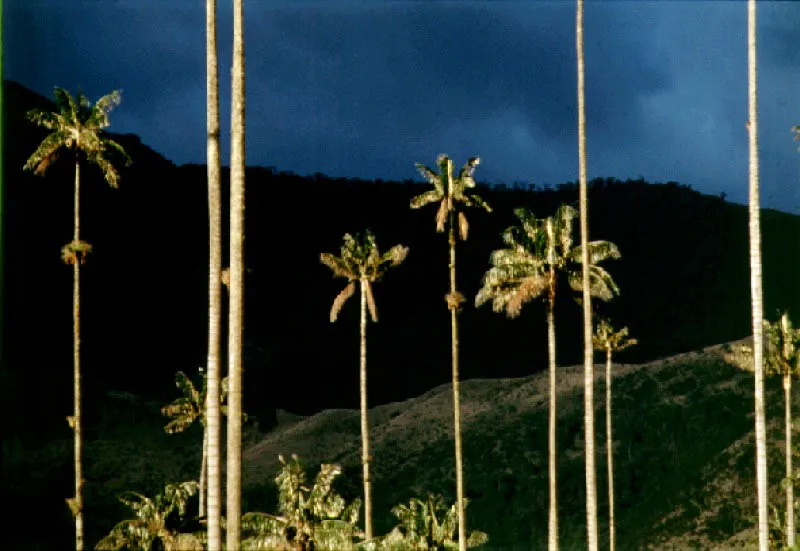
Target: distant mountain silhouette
<point>684,277</point>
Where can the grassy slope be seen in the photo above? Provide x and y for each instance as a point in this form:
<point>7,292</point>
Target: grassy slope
<point>683,431</point>
<point>684,457</point>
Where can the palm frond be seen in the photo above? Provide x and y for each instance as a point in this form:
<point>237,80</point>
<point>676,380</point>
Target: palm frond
<point>98,117</point>
<point>183,417</point>
<point>463,226</point>
<point>467,171</point>
<point>373,310</point>
<point>601,284</point>
<point>562,228</point>
<point>430,196</point>
<point>445,175</point>
<point>65,102</point>
<point>430,175</point>
<point>598,252</point>
<point>441,215</point>
<point>109,143</point>
<point>529,289</point>
<point>47,119</point>
<point>45,154</point>
<point>186,386</point>
<point>339,267</point>
<point>396,255</point>
<point>340,299</point>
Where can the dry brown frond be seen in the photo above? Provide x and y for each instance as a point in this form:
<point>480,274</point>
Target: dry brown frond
<point>530,288</point>
<point>373,310</point>
<point>225,276</point>
<point>454,300</point>
<point>69,252</point>
<point>441,215</point>
<point>463,226</point>
<point>340,299</point>
<point>398,254</point>
<point>68,256</point>
<point>339,265</point>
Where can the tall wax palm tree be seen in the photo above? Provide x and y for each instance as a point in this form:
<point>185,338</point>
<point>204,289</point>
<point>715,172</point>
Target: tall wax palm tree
<point>213,413</point>
<point>450,191</point>
<point>756,282</point>
<point>361,261</point>
<point>77,126</point>
<point>610,341</point>
<point>184,411</point>
<point>233,513</point>
<point>588,356</point>
<point>783,358</point>
<point>538,250</point>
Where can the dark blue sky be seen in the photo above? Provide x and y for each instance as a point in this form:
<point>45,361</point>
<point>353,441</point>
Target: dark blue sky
<point>366,88</point>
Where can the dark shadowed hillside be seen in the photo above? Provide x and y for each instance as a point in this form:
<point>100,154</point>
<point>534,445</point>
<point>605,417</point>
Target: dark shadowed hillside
<point>683,275</point>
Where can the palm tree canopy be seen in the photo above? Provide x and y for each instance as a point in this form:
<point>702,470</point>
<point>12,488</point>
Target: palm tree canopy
<point>77,125</point>
<point>360,260</point>
<point>605,338</point>
<point>536,248</point>
<point>782,340</point>
<point>151,522</point>
<point>448,191</point>
<point>429,522</point>
<point>190,407</point>
<point>317,513</point>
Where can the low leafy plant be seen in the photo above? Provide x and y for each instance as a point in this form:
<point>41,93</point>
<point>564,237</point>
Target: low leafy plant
<point>310,518</point>
<point>425,525</point>
<point>161,523</point>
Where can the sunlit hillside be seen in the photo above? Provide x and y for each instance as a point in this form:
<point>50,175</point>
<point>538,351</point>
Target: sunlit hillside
<point>683,448</point>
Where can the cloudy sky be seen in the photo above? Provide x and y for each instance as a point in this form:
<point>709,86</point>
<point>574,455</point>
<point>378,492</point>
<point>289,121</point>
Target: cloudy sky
<point>366,88</point>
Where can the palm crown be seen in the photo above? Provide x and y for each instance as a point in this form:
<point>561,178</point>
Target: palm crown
<point>783,347</point>
<point>537,249</point>
<point>76,125</point>
<point>360,260</point>
<point>190,407</point>
<point>605,338</point>
<point>448,191</point>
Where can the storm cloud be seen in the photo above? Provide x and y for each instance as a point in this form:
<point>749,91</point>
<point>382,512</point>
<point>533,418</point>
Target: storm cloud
<point>365,89</point>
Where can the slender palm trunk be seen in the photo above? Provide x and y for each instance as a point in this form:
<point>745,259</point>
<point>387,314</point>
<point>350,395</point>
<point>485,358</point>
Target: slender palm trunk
<point>787,396</point>
<point>365,459</point>
<point>203,468</point>
<point>756,283</point>
<point>588,348</point>
<point>462,520</point>
<point>213,411</point>
<point>552,527</point>
<point>236,307</point>
<point>612,536</point>
<point>76,353</point>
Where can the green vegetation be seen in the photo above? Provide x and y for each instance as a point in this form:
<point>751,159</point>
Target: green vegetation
<point>189,408</point>
<point>309,518</point>
<point>160,523</point>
